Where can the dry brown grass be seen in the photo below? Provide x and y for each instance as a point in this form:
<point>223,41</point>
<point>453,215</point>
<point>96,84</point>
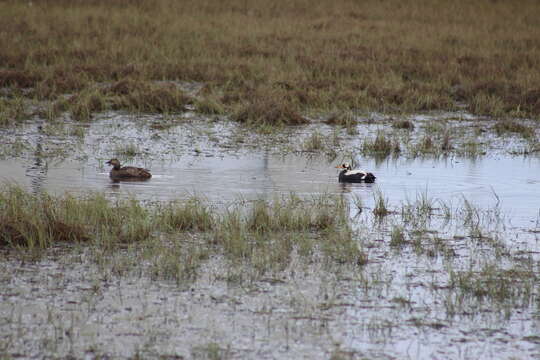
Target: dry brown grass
<point>378,55</point>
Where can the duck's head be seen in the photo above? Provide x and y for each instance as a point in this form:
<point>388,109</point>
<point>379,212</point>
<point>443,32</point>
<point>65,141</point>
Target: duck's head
<point>345,166</point>
<point>113,162</point>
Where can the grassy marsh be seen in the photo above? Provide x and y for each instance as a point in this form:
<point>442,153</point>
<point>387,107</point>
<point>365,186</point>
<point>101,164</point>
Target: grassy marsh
<point>353,59</point>
<point>295,263</point>
<point>326,276</point>
<point>264,234</point>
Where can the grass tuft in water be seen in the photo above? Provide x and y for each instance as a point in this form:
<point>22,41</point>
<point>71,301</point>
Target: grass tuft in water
<point>178,236</point>
<point>13,111</point>
<point>315,142</point>
<point>403,124</point>
<point>511,126</point>
<point>189,215</point>
<point>381,204</point>
<point>38,221</point>
<point>397,236</point>
<point>129,150</point>
<point>381,145</point>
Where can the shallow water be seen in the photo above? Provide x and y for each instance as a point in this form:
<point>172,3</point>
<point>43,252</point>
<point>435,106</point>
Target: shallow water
<point>513,183</point>
<point>66,304</point>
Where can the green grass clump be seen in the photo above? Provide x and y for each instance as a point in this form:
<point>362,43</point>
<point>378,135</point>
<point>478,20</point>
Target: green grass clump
<point>271,110</point>
<point>293,214</point>
<point>178,236</point>
<point>13,111</point>
<point>381,145</point>
<point>189,215</point>
<point>381,205</point>
<point>403,124</point>
<point>38,221</point>
<point>315,142</point>
<point>144,96</point>
<point>210,105</point>
<point>397,237</point>
<point>131,95</point>
<point>84,104</point>
<point>268,234</point>
<point>484,104</point>
<point>511,126</point>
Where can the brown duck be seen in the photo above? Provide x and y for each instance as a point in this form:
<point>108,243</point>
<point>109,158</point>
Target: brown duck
<point>127,172</point>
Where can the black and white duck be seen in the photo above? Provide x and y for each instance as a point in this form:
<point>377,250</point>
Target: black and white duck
<point>127,172</point>
<point>354,176</point>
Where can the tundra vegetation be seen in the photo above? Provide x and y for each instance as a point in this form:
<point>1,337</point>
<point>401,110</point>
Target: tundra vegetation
<point>271,62</point>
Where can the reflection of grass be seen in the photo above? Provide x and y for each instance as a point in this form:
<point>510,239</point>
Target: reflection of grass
<point>210,351</point>
<point>343,65</point>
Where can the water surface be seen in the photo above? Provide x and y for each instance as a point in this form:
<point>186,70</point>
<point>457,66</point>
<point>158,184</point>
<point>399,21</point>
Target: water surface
<point>513,183</point>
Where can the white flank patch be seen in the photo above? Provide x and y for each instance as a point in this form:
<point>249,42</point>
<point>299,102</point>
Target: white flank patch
<point>354,172</point>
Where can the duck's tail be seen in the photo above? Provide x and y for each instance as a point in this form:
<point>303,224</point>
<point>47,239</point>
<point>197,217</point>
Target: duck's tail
<point>370,178</point>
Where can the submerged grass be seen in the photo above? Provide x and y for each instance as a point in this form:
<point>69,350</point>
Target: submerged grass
<point>368,55</point>
<point>515,287</point>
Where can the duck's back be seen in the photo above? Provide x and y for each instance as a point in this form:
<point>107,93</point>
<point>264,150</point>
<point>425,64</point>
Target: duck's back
<point>130,172</point>
<point>356,176</point>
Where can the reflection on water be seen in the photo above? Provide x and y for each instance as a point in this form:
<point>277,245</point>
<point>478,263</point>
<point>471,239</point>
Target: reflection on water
<point>37,167</point>
<point>515,182</point>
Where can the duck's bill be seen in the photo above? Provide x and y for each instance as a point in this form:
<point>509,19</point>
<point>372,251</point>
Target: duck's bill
<point>108,162</point>
<point>340,167</point>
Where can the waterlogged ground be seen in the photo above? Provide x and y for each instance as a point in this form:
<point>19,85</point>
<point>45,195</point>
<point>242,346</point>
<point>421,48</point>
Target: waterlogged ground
<point>222,162</point>
<point>411,300</point>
